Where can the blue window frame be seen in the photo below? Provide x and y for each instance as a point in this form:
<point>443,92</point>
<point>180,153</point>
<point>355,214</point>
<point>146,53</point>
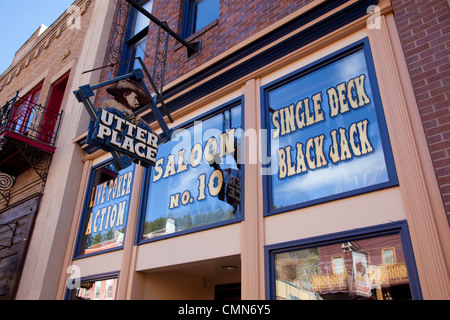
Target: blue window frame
<point>303,269</point>
<point>136,37</point>
<point>198,14</point>
<point>327,136</point>
<point>197,182</point>
<point>105,212</point>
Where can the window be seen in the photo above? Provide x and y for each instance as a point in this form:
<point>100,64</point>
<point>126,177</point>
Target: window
<point>198,14</point>
<point>327,138</point>
<point>105,209</point>
<point>338,265</point>
<point>388,256</point>
<point>314,269</point>
<point>197,181</point>
<point>23,119</point>
<point>136,37</point>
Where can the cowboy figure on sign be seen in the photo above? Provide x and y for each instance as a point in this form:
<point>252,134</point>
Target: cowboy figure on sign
<point>128,96</point>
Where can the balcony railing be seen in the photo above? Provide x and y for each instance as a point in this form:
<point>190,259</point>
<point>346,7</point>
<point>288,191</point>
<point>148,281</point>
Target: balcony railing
<point>30,120</point>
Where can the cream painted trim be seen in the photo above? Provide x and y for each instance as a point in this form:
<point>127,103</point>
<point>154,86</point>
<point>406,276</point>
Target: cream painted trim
<point>252,228</point>
<point>72,239</point>
<point>129,250</point>
<point>425,157</point>
<point>429,252</point>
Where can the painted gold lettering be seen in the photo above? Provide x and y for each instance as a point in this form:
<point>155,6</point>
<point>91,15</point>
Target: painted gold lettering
<point>366,147</point>
<point>158,169</point>
<point>276,124</point>
<point>301,164</point>
<point>282,167</point>
<point>317,103</point>
<point>182,166</point>
<point>170,166</point>
<point>363,99</point>
<point>103,132</point>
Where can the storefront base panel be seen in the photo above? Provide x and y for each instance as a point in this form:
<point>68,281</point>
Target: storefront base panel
<point>356,212</point>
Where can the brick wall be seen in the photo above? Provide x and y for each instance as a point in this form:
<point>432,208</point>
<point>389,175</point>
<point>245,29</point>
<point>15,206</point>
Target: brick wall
<point>424,29</point>
<point>238,20</point>
<point>246,17</point>
<point>50,57</point>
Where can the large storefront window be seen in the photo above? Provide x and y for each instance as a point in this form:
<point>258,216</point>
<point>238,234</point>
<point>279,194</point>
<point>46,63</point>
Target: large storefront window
<point>197,181</point>
<point>354,268</point>
<point>327,135</point>
<point>106,209</point>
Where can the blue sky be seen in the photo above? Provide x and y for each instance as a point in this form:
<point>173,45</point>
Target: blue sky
<point>20,19</point>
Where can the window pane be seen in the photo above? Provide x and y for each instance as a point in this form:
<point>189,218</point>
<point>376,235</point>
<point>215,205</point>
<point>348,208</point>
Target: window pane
<point>309,274</point>
<point>338,265</point>
<point>108,205</point>
<point>139,51</point>
<point>141,20</point>
<point>196,181</point>
<point>205,11</point>
<point>327,137</point>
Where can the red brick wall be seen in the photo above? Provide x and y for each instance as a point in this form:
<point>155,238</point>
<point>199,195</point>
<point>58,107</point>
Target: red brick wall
<point>424,29</point>
<point>238,20</point>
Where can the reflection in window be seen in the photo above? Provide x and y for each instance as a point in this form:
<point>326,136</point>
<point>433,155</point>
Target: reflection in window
<point>97,287</point>
<point>316,273</point>
<point>95,290</point>
<point>338,265</point>
<point>388,256</point>
<point>107,202</point>
<point>197,179</point>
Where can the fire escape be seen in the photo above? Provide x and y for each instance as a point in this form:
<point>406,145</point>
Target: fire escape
<point>27,140</point>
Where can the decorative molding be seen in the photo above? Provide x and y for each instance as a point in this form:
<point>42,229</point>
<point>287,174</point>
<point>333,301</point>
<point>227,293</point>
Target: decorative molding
<point>431,265</point>
<point>6,184</point>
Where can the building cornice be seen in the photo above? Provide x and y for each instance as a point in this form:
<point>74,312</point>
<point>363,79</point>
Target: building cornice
<point>45,40</point>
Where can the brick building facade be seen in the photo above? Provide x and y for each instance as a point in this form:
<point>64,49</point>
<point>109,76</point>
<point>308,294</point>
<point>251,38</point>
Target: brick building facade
<point>36,136</point>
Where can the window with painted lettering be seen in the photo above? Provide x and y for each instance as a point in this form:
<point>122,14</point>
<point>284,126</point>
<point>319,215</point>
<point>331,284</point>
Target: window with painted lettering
<point>106,209</point>
<point>197,181</point>
<point>327,137</point>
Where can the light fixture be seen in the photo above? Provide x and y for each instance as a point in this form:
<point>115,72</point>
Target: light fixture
<point>228,268</point>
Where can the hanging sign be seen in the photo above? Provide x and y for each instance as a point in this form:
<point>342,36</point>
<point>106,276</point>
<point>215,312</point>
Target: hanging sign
<point>115,128</point>
<point>122,132</point>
